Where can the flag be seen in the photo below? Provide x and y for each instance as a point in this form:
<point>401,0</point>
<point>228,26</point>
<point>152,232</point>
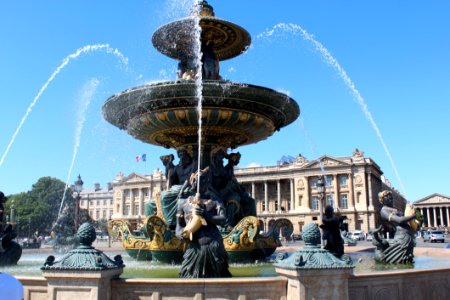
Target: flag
<point>142,157</point>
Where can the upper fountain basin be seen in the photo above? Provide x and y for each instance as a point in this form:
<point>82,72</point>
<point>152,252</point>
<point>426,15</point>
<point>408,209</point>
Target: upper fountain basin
<point>233,114</point>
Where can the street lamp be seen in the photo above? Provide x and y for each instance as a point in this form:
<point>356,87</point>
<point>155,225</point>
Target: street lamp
<point>78,186</point>
<point>321,191</point>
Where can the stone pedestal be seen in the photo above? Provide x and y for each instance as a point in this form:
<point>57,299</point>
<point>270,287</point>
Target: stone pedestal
<point>315,273</point>
<point>84,273</point>
<point>316,283</point>
<point>81,285</point>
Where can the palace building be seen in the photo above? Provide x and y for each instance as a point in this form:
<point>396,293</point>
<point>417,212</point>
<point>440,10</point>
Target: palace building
<point>287,190</point>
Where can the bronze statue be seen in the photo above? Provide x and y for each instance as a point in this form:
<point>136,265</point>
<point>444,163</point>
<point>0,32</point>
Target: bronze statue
<point>178,175</point>
<point>400,248</point>
<point>3,200</point>
<point>10,251</point>
<point>197,220</point>
<point>331,228</point>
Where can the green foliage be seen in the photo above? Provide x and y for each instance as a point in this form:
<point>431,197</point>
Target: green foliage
<point>419,216</point>
<point>37,210</point>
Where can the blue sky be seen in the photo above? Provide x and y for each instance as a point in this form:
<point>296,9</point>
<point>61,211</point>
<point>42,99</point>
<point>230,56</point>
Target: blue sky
<point>395,53</point>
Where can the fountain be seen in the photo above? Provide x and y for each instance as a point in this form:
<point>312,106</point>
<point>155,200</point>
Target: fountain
<point>222,115</point>
<point>166,114</point>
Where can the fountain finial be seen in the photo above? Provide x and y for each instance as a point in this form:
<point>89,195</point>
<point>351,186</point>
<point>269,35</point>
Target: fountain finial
<point>203,9</point>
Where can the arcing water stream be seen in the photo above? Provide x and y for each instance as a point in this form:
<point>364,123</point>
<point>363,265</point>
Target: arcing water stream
<point>82,50</point>
<point>330,60</point>
<point>87,92</point>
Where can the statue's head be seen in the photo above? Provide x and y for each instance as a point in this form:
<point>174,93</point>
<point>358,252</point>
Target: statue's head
<point>385,197</point>
<point>166,159</point>
<point>329,211</point>
<point>234,158</point>
<point>185,155</point>
<point>218,153</point>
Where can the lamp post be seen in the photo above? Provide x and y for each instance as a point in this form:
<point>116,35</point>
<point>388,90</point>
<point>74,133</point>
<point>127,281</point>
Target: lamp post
<point>78,186</point>
<point>321,191</point>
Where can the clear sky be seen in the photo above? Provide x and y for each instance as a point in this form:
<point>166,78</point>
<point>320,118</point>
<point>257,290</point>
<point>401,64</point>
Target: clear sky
<point>390,73</point>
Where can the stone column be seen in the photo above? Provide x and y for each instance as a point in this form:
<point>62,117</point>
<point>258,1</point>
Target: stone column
<point>291,185</point>
<point>441,215</point>
<point>448,218</point>
<point>131,212</point>
<point>435,217</point>
<point>369,187</point>
<point>266,196</point>
<point>278,195</point>
<point>428,217</point>
<point>351,189</point>
<point>122,204</point>
<point>141,202</point>
<point>307,201</point>
<point>335,191</point>
<point>253,190</point>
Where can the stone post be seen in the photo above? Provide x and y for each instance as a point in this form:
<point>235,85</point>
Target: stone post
<point>83,285</point>
<point>84,273</point>
<point>315,273</point>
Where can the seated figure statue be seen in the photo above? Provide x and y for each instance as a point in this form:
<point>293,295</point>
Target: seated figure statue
<point>225,188</point>
<point>397,250</point>
<point>177,176</point>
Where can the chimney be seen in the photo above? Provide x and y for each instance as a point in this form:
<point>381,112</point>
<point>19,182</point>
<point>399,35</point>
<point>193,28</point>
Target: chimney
<point>97,187</point>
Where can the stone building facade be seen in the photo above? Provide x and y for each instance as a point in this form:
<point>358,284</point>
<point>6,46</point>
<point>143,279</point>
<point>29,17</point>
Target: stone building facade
<point>287,190</point>
<point>435,210</point>
<point>98,201</point>
<point>290,191</point>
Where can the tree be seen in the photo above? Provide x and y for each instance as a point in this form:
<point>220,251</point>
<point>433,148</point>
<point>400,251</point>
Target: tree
<point>37,210</point>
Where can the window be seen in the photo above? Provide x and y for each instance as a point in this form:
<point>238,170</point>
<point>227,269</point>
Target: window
<point>314,181</point>
<point>127,209</point>
<point>315,202</point>
<point>330,200</point>
<point>110,201</point>
<point>98,202</point>
<point>97,214</point>
<point>136,209</point>
<point>344,201</point>
<point>263,206</point>
<point>276,205</point>
<point>300,198</point>
<point>328,180</point>
<point>110,213</point>
<point>104,214</point>
<point>146,192</point>
<point>104,201</point>
<point>343,180</point>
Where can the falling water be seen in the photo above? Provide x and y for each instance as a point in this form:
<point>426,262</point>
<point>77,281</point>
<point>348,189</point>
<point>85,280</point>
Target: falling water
<point>87,92</point>
<point>330,60</point>
<point>199,85</point>
<point>85,49</point>
<point>313,149</point>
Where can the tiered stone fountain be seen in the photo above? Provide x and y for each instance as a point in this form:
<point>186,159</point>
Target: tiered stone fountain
<point>232,115</point>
